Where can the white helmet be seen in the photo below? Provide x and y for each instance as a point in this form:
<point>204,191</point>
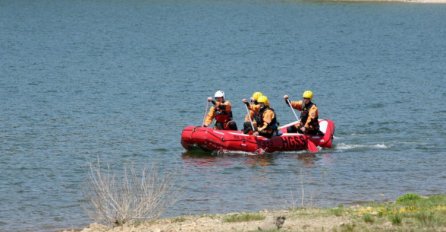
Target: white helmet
<point>219,93</point>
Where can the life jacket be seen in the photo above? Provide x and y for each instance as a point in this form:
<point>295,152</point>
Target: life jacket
<point>222,116</point>
<point>254,112</point>
<point>314,124</point>
<point>272,127</point>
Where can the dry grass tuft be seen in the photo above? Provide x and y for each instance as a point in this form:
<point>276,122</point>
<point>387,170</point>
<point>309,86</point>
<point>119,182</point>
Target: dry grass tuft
<point>119,199</point>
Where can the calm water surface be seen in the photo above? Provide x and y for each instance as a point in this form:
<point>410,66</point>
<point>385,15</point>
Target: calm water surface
<point>119,80</point>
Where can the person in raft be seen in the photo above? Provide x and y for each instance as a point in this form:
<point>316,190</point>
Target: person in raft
<point>253,108</point>
<point>308,123</point>
<point>221,112</point>
<point>266,119</point>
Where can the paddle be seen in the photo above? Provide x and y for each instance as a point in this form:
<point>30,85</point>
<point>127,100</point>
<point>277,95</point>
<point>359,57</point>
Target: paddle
<point>205,112</point>
<point>310,145</point>
<point>249,116</point>
<point>288,125</point>
<point>292,109</point>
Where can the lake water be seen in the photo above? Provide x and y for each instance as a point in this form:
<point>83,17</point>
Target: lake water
<point>118,80</point>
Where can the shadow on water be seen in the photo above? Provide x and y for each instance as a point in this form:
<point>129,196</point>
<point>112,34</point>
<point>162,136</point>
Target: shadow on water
<point>205,158</point>
<point>196,153</point>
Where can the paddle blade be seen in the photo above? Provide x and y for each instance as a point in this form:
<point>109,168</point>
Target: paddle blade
<point>311,147</point>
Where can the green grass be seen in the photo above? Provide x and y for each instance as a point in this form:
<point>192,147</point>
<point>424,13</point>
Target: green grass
<point>408,211</point>
<point>243,217</point>
<point>338,211</point>
<point>178,219</point>
<point>368,218</point>
<point>408,198</point>
<point>395,219</point>
<point>348,228</point>
<point>425,218</point>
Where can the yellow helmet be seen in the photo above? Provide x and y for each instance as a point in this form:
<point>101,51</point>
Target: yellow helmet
<point>308,94</point>
<point>263,99</point>
<point>256,95</point>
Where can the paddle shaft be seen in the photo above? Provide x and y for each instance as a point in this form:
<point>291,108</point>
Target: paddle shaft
<point>205,112</point>
<point>249,116</point>
<point>294,112</point>
<point>288,125</point>
<point>292,109</point>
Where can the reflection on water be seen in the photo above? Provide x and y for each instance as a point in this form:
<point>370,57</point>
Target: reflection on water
<point>308,160</point>
<point>256,182</point>
<point>203,158</point>
<point>192,158</point>
<point>260,160</point>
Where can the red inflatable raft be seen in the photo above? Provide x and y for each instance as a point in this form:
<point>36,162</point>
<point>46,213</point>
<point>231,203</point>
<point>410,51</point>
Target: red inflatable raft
<point>209,139</point>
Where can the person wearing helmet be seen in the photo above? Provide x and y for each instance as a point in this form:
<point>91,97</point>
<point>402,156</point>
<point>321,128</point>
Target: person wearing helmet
<point>220,111</point>
<point>309,122</point>
<point>254,108</point>
<point>266,119</point>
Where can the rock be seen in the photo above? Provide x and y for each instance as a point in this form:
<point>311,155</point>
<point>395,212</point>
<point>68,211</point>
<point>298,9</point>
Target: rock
<point>280,221</point>
<point>271,223</point>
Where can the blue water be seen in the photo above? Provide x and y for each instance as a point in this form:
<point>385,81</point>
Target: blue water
<point>118,80</point>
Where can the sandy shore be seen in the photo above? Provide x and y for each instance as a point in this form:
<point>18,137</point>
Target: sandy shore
<point>357,218</point>
<point>303,220</point>
<point>410,212</point>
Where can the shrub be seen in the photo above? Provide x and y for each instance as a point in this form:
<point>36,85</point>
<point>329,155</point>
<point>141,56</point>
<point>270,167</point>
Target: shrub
<point>396,219</point>
<point>368,218</point>
<point>348,227</point>
<point>408,198</point>
<point>339,211</point>
<point>425,218</point>
<point>244,217</point>
<point>133,196</point>
<point>178,219</point>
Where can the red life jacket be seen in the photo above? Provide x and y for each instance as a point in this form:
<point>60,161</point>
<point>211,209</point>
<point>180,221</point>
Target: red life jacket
<point>221,115</point>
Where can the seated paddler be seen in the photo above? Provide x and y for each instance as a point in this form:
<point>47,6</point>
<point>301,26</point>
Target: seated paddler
<point>265,119</point>
<point>253,108</point>
<point>309,121</point>
<point>221,111</point>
